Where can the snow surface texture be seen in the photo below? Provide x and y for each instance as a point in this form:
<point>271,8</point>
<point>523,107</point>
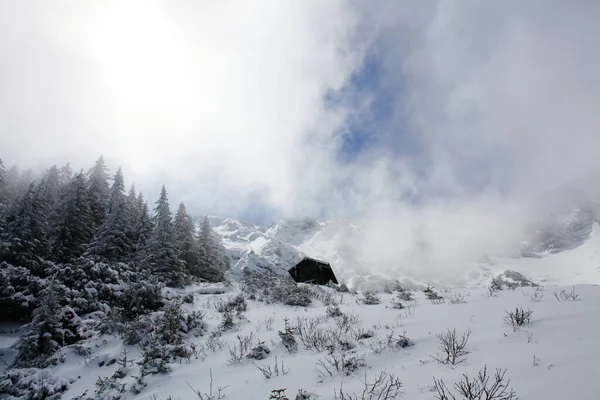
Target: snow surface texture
<point>569,253</point>
<point>553,358</point>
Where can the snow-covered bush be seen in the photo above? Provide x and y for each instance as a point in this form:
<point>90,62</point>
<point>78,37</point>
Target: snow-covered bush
<point>32,383</point>
<point>433,296</point>
<point>287,338</point>
<point>511,280</point>
<point>398,302</point>
<point>260,352</point>
<point>333,312</point>
<point>19,292</point>
<point>235,304</point>
<point>140,297</point>
<point>370,299</point>
<point>53,326</point>
<point>277,289</point>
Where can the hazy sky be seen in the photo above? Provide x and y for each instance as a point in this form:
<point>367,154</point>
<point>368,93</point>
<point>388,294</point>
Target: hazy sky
<point>435,116</point>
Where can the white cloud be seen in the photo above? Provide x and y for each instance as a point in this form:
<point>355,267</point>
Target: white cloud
<point>180,92</point>
<point>224,102</point>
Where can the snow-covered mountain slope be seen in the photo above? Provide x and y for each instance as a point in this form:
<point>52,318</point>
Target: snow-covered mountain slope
<point>565,250</point>
<point>552,358</point>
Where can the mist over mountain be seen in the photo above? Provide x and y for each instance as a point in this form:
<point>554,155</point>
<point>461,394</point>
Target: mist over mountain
<point>280,245</point>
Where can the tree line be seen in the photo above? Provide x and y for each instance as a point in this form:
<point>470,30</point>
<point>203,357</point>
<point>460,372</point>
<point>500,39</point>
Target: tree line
<point>67,218</point>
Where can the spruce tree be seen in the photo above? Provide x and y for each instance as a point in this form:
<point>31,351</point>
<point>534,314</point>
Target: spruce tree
<point>161,251</point>
<point>142,230</point>
<point>65,174</point>
<point>99,191</point>
<point>112,242</point>
<point>26,237</point>
<point>75,227</point>
<point>187,243</point>
<point>212,261</point>
<point>9,189</point>
<point>2,172</point>
<point>51,194</point>
<point>52,327</point>
<point>3,206</point>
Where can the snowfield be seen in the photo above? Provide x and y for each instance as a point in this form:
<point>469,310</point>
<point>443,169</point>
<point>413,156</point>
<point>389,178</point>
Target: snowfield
<point>553,358</point>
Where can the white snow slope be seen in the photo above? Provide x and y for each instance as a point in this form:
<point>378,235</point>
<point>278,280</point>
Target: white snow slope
<point>553,358</point>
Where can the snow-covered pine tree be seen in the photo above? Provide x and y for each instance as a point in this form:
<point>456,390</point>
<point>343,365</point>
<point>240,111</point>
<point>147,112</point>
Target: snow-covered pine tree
<point>161,251</point>
<point>75,226</point>
<point>65,175</point>
<point>142,230</point>
<point>187,243</point>
<point>3,206</point>
<point>53,326</point>
<point>9,189</point>
<point>2,172</point>
<point>50,187</point>
<point>112,242</point>
<point>99,191</point>
<point>213,261</point>
<point>26,237</point>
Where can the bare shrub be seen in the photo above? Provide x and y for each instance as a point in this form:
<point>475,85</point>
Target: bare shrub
<point>303,326</point>
<point>346,322</point>
<point>211,395</point>
<point>198,351</point>
<point>339,363</point>
<point>319,339</point>
<point>214,341</point>
<point>479,388</point>
<point>518,318</point>
<point>240,349</point>
<point>492,291</point>
<point>361,334</point>
<point>268,323</point>
<point>456,298</point>
<point>452,347</point>
<point>385,386</point>
<point>390,341</point>
<point>268,371</point>
<point>565,295</point>
<point>538,295</point>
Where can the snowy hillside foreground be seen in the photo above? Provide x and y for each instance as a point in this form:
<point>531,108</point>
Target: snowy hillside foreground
<point>555,357</point>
